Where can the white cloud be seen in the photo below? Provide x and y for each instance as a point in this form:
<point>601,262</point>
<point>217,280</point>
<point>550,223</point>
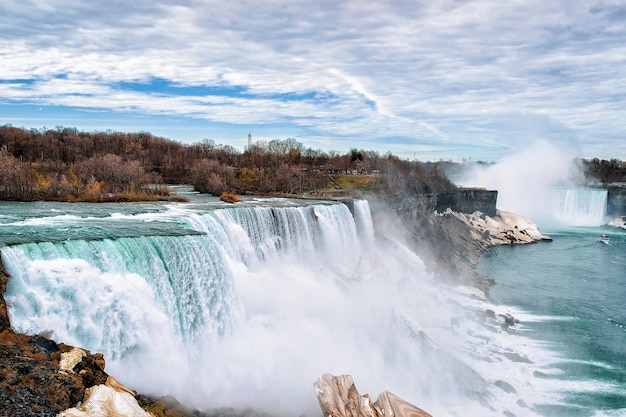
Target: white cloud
<point>428,72</point>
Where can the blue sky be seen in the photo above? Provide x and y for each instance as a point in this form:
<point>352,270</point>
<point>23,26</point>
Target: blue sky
<point>445,79</point>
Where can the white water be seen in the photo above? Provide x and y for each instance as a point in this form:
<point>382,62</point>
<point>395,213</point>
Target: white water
<point>577,206</point>
<point>542,183</point>
<point>264,302</point>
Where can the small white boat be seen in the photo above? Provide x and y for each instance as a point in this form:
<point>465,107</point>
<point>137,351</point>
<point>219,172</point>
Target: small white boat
<point>604,238</point>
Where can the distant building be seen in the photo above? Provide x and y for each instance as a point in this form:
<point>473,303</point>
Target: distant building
<point>249,139</point>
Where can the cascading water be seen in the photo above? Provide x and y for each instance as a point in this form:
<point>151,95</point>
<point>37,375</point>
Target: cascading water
<point>577,206</point>
<point>246,305</point>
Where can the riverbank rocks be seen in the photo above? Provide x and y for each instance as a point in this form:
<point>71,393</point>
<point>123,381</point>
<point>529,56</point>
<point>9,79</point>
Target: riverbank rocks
<point>504,228</point>
<point>450,242</point>
<point>338,397</point>
<point>109,399</point>
<point>39,377</point>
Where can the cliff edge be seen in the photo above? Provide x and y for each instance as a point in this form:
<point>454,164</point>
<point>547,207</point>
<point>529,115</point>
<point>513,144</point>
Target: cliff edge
<point>452,240</point>
<point>4,313</point>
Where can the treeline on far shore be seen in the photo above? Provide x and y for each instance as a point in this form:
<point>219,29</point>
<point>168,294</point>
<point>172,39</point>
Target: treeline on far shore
<point>65,164</point>
<point>604,171</point>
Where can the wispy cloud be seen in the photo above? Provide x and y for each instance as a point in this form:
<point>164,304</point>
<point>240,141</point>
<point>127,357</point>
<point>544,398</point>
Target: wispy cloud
<point>481,77</point>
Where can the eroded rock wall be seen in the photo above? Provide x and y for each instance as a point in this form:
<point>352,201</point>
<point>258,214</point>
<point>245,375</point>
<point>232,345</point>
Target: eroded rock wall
<point>32,381</point>
<point>468,200</point>
<point>452,242</point>
<point>339,397</point>
<point>616,200</point>
<point>4,313</point>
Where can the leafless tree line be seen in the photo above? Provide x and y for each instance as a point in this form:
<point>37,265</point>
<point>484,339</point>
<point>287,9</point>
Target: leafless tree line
<point>65,164</point>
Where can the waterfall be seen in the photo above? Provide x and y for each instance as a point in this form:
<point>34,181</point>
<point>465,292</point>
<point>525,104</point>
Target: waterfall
<point>86,290</point>
<point>138,299</point>
<point>188,275</point>
<point>247,305</point>
<point>363,220</point>
<point>577,206</point>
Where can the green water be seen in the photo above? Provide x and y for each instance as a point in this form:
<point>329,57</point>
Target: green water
<point>573,291</point>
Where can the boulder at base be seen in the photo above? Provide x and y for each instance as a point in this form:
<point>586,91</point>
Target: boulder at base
<point>109,399</point>
<point>338,397</point>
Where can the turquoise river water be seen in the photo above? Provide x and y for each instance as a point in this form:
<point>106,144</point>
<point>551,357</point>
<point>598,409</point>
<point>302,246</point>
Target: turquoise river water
<point>571,296</point>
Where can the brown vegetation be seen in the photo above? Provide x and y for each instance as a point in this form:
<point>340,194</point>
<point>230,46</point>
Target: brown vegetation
<point>229,197</point>
<point>67,165</point>
<point>605,171</point>
<point>354,182</point>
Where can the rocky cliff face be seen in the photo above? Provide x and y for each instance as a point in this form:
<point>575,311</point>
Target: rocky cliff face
<point>468,200</point>
<point>4,314</point>
<point>33,381</point>
<point>616,200</point>
<point>452,242</point>
<point>462,200</point>
<point>338,397</point>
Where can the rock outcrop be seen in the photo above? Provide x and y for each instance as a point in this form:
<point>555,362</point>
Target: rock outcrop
<point>338,397</point>
<point>461,200</point>
<point>4,313</point>
<point>468,200</point>
<point>109,399</point>
<point>616,199</point>
<point>453,243</point>
<point>39,377</point>
<point>504,228</point>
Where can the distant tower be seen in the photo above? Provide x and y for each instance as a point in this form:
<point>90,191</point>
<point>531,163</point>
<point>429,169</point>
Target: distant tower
<point>249,139</point>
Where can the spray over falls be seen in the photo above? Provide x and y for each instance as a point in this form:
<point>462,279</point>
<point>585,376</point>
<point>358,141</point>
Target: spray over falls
<point>544,183</point>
